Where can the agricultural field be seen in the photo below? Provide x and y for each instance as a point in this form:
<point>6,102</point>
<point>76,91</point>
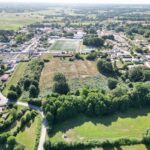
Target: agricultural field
<point>14,21</point>
<point>66,45</point>
<point>131,124</point>
<point>78,73</point>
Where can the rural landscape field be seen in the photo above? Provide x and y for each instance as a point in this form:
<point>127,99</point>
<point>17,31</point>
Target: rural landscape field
<point>75,75</point>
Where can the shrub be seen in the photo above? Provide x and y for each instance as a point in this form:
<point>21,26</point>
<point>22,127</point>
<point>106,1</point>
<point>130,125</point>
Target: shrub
<point>27,83</point>
<point>112,83</point>
<point>61,87</point>
<point>136,74</point>
<point>12,95</point>
<point>35,102</point>
<point>105,67</point>
<point>33,91</point>
<point>59,77</point>
<point>91,56</point>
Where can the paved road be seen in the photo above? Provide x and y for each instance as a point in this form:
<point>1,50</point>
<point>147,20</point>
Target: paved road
<point>4,100</point>
<point>43,133</point>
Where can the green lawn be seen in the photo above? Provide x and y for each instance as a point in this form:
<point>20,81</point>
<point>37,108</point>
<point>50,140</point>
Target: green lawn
<point>16,76</point>
<point>27,137</point>
<point>132,124</point>
<point>66,45</point>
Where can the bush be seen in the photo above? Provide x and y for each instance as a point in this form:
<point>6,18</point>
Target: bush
<point>3,138</point>
<point>33,91</point>
<point>35,102</point>
<point>27,83</point>
<point>78,57</point>
<point>59,77</point>
<point>11,141</point>
<point>112,83</point>
<point>91,56</point>
<point>12,95</point>
<point>61,87</point>
<point>105,67</point>
<point>136,74</point>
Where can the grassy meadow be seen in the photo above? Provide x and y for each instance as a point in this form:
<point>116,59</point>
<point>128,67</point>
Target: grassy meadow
<point>14,21</point>
<point>131,124</point>
<point>27,136</point>
<point>78,73</point>
<point>16,76</point>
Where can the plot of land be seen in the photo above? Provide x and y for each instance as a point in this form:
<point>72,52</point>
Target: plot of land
<point>16,76</point>
<point>28,136</point>
<point>66,45</point>
<point>72,70</point>
<point>13,21</point>
<point>132,125</point>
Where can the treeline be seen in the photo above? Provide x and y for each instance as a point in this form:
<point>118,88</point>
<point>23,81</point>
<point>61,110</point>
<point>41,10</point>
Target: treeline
<point>135,17</point>
<point>131,29</point>
<point>22,37</point>
<point>8,138</point>
<point>138,29</point>
<point>91,144</point>
<point>139,74</point>
<point>29,82</point>
<point>4,35</point>
<point>96,103</point>
<point>93,41</point>
<point>13,116</point>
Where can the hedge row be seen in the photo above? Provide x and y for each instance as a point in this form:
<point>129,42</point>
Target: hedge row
<point>38,134</point>
<point>90,144</point>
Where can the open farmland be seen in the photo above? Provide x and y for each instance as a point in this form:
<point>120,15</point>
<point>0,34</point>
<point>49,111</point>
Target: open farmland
<point>78,73</point>
<point>131,124</point>
<point>66,45</point>
<point>13,21</point>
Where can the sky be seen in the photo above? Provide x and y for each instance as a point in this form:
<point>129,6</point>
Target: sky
<point>84,1</point>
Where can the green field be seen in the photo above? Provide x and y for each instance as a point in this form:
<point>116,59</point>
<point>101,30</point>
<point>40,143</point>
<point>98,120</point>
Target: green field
<point>27,137</point>
<point>16,76</point>
<point>132,125</point>
<point>66,45</point>
<point>13,21</point>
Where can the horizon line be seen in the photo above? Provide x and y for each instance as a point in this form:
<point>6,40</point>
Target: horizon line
<point>58,3</point>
